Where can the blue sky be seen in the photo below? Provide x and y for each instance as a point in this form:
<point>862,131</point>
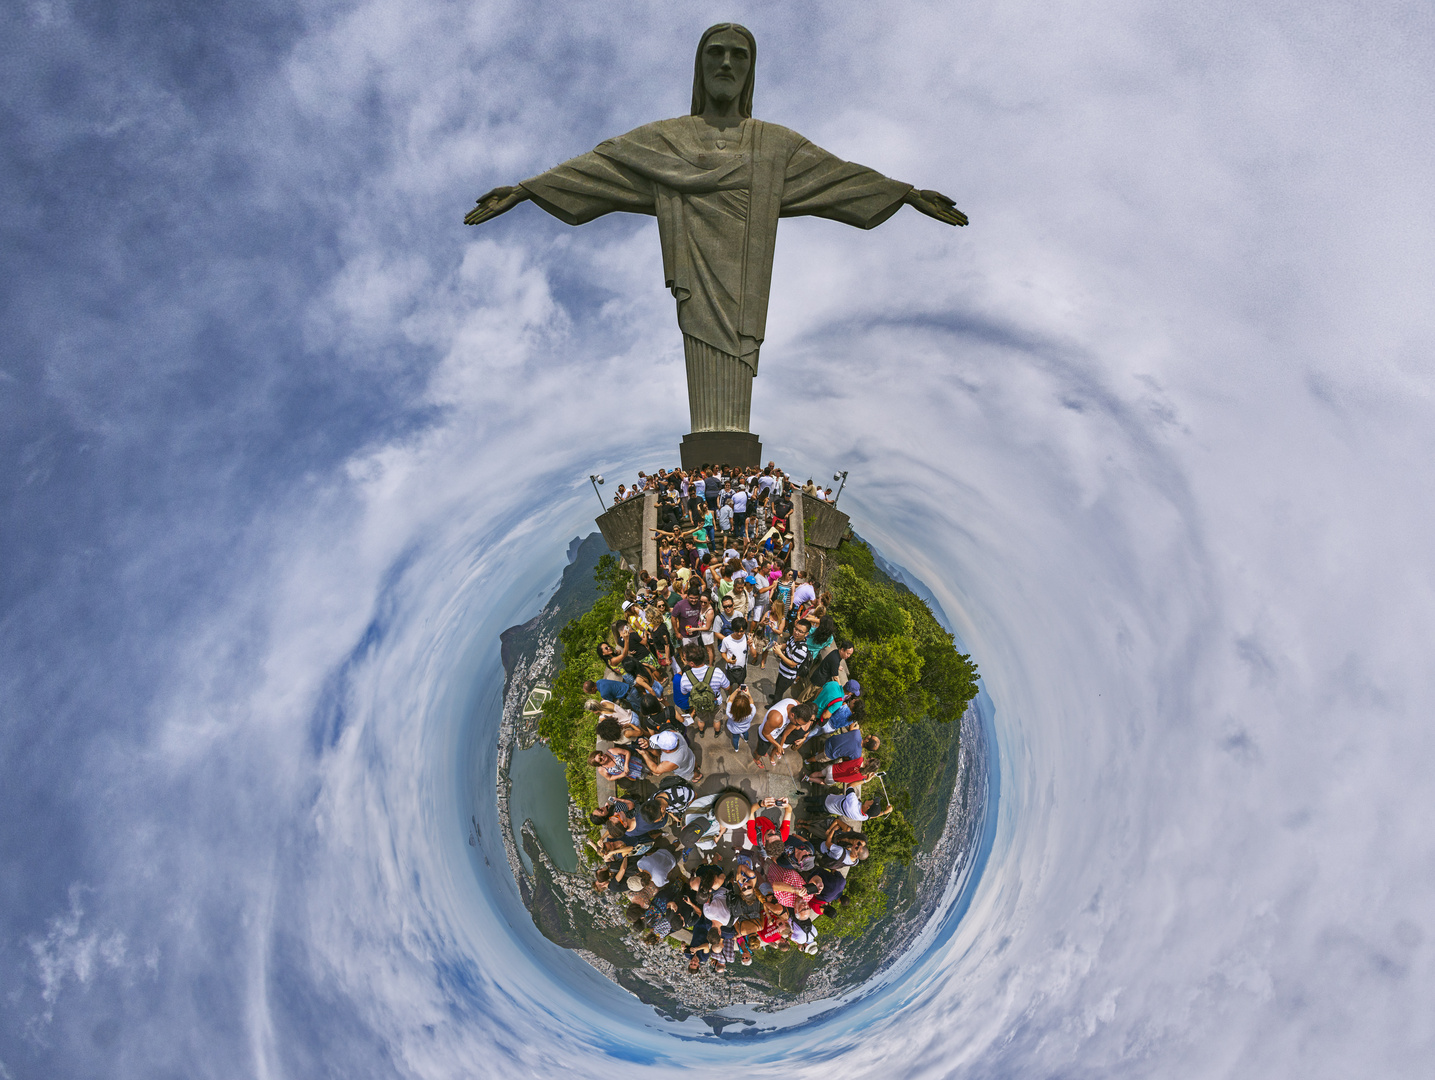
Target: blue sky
<point>284,441</point>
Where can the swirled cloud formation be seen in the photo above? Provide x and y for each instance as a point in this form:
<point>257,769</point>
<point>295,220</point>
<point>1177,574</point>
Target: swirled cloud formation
<point>286,447</point>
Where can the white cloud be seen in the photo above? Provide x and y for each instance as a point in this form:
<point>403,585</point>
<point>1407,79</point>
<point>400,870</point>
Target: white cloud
<point>72,953</point>
<point>1155,428</point>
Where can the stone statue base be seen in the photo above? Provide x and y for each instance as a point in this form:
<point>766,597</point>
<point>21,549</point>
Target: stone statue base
<point>740,449</point>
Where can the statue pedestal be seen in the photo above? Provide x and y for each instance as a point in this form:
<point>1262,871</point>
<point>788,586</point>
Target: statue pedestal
<point>740,449</point>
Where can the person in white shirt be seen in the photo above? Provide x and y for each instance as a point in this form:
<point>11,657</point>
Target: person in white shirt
<point>804,593</point>
<point>739,511</point>
<point>787,721</point>
<point>659,864</point>
<point>804,935</point>
<point>674,756</point>
<point>697,673</point>
<point>741,712</point>
<point>852,806</point>
<point>734,653</point>
<point>741,595</point>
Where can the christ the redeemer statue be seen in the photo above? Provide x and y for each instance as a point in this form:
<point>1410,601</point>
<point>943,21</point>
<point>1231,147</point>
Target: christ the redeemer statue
<point>717,181</point>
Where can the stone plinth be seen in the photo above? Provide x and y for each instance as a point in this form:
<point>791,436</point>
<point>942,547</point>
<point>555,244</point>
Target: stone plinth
<point>824,525</point>
<point>623,528</point>
<point>740,449</point>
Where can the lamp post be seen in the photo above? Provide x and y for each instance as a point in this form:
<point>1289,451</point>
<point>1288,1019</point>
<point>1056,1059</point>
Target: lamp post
<point>595,480</point>
<point>842,476</point>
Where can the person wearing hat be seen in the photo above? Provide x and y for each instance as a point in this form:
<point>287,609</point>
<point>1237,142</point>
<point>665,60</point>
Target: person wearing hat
<point>804,935</point>
<point>834,704</point>
<point>668,754</point>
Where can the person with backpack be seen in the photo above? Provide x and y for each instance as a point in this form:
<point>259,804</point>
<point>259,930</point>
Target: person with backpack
<point>723,620</point>
<point>701,682</point>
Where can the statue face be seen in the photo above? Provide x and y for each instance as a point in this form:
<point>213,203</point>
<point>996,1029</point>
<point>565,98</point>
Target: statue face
<point>726,63</point>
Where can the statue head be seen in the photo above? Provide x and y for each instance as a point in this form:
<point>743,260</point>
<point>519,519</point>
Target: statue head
<point>718,70</point>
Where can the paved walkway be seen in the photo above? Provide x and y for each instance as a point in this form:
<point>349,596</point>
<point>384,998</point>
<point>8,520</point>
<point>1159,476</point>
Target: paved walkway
<point>724,769</point>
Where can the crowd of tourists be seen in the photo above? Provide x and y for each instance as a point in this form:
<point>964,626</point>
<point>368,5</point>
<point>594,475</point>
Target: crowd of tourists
<point>726,597</point>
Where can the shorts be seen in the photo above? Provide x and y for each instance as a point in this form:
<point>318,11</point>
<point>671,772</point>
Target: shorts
<point>707,636</point>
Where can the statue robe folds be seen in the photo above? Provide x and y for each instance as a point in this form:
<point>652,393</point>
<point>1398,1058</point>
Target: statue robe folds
<point>717,195</point>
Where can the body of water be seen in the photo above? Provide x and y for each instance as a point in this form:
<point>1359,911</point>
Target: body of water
<point>540,794</point>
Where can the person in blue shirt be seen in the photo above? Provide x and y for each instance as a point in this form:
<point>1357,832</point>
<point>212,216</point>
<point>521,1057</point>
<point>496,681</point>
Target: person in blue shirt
<point>847,745</point>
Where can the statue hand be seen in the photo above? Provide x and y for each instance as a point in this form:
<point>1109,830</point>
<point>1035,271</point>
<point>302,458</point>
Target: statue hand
<point>498,201</point>
<point>935,204</point>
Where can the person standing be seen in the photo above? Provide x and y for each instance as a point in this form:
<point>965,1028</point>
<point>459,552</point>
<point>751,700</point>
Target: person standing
<point>689,614</point>
<point>702,683</point>
<point>805,594</point>
<point>851,806</point>
<point>734,651</point>
<point>740,714</point>
<point>668,754</point>
<point>828,667</point>
<point>791,655</point>
<point>739,511</point>
<point>787,722</point>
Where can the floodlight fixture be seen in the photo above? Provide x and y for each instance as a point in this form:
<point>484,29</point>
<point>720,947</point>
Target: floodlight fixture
<point>595,479</point>
<point>842,476</point>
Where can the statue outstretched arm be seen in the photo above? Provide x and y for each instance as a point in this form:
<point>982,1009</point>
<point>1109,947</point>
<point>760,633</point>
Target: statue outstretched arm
<point>823,185</point>
<point>575,192</point>
<point>498,201</point>
<point>935,204</point>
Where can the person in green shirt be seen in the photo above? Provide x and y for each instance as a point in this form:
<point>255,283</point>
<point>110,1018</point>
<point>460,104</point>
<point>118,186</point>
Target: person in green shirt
<point>828,699</point>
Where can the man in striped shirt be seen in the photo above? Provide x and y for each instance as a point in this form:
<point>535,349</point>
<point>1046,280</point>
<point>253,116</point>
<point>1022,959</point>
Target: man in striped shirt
<point>790,656</point>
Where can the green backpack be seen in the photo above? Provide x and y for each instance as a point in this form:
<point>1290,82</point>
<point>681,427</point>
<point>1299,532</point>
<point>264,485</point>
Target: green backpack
<point>702,699</point>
